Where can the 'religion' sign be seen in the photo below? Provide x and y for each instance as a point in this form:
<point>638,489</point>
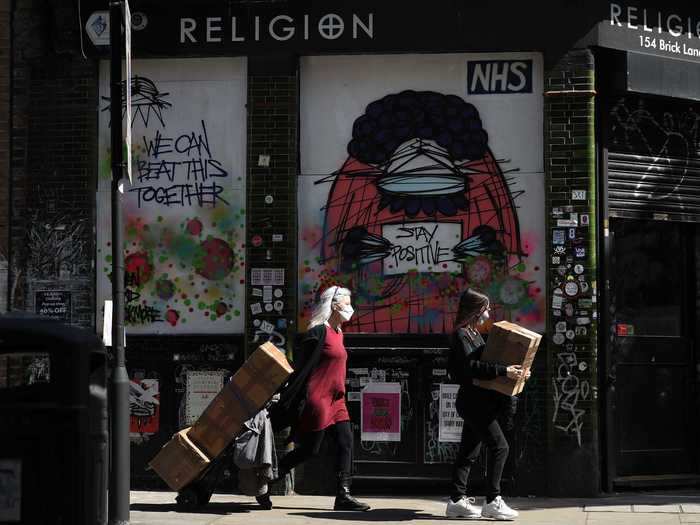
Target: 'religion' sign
<point>655,31</point>
<point>279,28</point>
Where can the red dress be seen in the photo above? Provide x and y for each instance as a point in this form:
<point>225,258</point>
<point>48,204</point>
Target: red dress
<point>325,391</point>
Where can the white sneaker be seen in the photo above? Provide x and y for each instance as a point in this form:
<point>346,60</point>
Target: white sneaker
<point>463,508</point>
<point>498,510</point>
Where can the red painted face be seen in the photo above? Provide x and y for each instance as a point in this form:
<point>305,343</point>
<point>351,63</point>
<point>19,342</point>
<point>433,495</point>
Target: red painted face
<point>374,233</point>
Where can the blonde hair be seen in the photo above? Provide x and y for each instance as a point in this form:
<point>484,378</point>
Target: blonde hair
<point>323,308</point>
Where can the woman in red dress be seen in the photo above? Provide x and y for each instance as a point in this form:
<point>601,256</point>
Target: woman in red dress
<point>316,392</point>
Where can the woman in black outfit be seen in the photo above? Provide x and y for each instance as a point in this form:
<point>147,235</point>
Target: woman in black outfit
<point>479,408</point>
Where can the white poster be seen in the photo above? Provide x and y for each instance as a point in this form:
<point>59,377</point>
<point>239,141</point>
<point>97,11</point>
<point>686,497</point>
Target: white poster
<point>422,176</point>
<point>202,387</point>
<point>450,423</point>
<point>184,213</point>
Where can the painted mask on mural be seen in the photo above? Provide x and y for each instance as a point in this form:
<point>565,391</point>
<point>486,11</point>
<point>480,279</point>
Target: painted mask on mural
<point>419,211</point>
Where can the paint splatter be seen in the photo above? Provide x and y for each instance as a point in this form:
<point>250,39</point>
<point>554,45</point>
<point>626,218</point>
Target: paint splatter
<point>194,227</point>
<point>216,261</point>
<point>139,268</point>
<point>172,317</point>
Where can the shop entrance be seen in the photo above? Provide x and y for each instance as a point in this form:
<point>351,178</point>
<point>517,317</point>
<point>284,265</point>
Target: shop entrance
<point>652,383</point>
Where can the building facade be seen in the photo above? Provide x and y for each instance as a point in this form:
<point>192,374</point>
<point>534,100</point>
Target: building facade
<point>407,153</point>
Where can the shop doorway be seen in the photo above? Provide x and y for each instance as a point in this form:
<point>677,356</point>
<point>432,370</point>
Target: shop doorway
<point>651,352</point>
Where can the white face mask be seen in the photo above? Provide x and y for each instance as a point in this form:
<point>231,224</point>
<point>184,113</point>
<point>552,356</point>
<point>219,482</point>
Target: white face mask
<point>484,317</point>
<point>346,312</point>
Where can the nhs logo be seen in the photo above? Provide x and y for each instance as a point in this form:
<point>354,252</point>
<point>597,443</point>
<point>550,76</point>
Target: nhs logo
<point>486,77</point>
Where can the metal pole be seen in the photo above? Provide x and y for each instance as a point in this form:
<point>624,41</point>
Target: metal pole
<point>120,464</point>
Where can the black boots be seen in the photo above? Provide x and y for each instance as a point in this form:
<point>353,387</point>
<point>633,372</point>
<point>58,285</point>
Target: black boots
<point>343,499</point>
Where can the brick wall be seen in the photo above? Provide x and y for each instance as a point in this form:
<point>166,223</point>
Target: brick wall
<point>53,161</point>
<point>572,412</point>
<point>271,206</point>
<point>5,65</point>
<point>271,201</point>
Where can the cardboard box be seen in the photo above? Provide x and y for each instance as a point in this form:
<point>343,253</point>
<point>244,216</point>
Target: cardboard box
<point>509,344</point>
<point>179,462</point>
<point>243,397</point>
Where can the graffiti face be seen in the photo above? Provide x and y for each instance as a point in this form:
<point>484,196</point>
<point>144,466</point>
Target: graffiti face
<point>420,210</point>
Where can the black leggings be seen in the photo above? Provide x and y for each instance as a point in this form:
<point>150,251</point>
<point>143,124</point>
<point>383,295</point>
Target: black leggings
<point>477,430</point>
<point>310,447</point>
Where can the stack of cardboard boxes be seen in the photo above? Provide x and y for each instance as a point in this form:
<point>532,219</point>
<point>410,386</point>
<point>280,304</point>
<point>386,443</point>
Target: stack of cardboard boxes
<point>190,451</point>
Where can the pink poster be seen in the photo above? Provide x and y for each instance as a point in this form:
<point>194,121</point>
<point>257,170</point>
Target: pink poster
<point>381,412</point>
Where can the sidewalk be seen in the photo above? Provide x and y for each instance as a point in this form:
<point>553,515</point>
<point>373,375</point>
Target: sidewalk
<point>158,508</point>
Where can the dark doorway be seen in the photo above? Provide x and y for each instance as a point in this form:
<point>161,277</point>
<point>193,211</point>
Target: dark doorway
<point>651,358</point>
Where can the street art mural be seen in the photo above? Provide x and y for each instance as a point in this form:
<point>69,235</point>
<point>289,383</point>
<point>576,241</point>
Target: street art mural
<point>423,205</point>
<point>184,210</point>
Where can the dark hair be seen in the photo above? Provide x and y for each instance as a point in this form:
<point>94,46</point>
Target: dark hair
<point>471,304</point>
<point>389,122</point>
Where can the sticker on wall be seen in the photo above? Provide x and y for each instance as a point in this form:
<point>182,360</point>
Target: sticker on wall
<point>257,292</point>
<point>144,408</point>
<point>267,276</point>
<point>269,199</point>
<point>557,213</point>
<point>381,412</point>
<point>278,305</point>
<point>583,321</point>
<point>556,313</point>
<point>256,241</point>
<point>578,269</point>
<point>267,327</point>
<point>256,308</point>
<point>571,288</point>
<point>556,260</point>
<point>558,237</point>
<point>580,252</point>
<point>561,326</point>
<point>267,294</point>
<point>585,221</point>
<point>557,301</point>
<point>584,286</point>
<point>278,293</point>
<point>558,338</point>
<point>581,331</point>
<point>578,195</point>
<point>569,310</point>
<point>560,250</point>
<point>268,307</point>
<point>277,237</point>
<point>571,233</point>
<point>570,334</point>
<point>624,330</point>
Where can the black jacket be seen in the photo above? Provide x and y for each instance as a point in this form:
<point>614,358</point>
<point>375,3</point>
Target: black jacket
<point>307,353</point>
<point>464,361</point>
<point>463,366</point>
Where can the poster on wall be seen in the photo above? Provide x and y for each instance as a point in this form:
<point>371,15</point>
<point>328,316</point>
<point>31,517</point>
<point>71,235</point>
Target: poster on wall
<point>144,407</point>
<point>381,412</point>
<point>54,304</point>
<point>184,212</point>
<point>201,388</point>
<point>422,176</point>
<point>450,422</point>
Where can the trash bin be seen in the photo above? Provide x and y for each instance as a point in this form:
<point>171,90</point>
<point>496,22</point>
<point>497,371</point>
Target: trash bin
<point>53,423</point>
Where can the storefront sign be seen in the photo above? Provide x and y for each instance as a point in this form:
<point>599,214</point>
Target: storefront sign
<point>664,32</point>
<point>280,27</point>
<point>451,424</point>
<point>381,412</point>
